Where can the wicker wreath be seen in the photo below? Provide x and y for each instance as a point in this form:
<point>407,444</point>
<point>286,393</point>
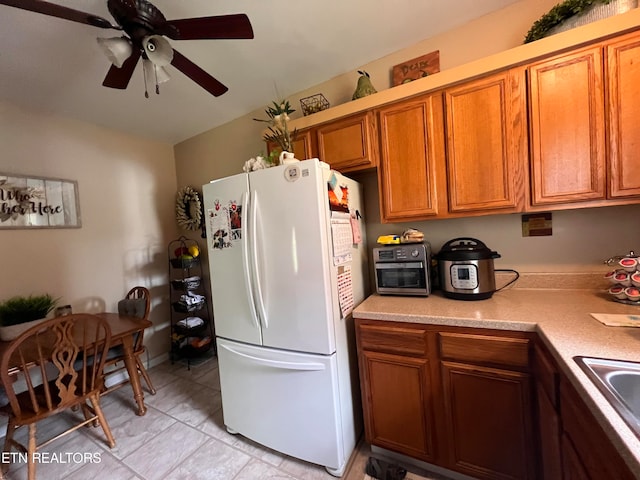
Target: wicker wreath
<point>188,209</point>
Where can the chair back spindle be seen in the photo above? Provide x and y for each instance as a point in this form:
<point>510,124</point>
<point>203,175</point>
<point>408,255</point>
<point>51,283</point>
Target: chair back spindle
<point>61,361</point>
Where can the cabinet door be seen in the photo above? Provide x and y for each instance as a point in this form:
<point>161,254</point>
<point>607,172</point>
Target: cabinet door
<point>411,159</point>
<point>598,456</point>
<point>302,145</point>
<point>624,112</point>
<point>549,425</point>
<point>550,432</point>
<point>567,128</point>
<point>348,144</point>
<point>486,143</point>
<point>572,466</point>
<point>397,403</point>
<point>488,413</point>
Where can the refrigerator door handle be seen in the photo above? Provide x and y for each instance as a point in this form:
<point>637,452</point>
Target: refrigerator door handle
<point>254,256</point>
<point>245,266</point>
<point>307,366</point>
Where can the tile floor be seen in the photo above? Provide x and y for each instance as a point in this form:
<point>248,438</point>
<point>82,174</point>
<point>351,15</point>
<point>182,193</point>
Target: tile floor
<point>181,437</point>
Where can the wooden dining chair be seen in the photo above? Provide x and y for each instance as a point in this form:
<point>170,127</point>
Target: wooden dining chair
<point>60,361</point>
<point>137,303</point>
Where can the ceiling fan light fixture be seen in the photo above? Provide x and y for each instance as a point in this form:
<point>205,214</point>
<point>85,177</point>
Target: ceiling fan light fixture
<point>158,50</point>
<point>116,49</point>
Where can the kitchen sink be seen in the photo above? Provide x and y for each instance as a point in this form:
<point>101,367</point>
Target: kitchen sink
<point>619,382</point>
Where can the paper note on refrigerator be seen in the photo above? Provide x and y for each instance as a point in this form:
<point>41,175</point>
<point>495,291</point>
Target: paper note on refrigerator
<point>345,290</point>
<point>341,237</point>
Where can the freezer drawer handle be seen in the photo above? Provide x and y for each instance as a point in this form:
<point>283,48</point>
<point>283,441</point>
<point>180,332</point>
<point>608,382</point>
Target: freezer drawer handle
<point>278,363</point>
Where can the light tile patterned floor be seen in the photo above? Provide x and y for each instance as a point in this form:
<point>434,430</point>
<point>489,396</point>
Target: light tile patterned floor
<point>181,437</point>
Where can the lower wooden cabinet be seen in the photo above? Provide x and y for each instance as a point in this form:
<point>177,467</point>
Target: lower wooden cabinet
<point>596,458</point>
<point>429,394</point>
<point>486,403</point>
<point>398,410</point>
<point>489,420</point>
<point>573,469</point>
<point>572,444</point>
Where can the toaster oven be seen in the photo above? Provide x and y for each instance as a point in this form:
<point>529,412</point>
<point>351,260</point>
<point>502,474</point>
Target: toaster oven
<point>403,269</point>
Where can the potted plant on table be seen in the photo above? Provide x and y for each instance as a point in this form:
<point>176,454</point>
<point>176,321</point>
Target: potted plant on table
<point>20,313</point>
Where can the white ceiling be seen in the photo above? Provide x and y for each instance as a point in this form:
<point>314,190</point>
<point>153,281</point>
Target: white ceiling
<point>55,65</point>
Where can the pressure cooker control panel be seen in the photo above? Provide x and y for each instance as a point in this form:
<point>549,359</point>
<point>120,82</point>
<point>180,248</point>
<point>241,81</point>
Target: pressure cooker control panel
<point>464,276</point>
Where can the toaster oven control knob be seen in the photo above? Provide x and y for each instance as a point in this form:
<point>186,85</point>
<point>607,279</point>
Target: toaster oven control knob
<point>415,253</point>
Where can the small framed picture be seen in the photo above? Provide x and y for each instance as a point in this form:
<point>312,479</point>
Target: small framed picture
<point>416,68</point>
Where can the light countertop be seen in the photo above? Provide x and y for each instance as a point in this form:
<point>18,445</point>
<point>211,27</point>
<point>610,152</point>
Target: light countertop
<point>561,318</point>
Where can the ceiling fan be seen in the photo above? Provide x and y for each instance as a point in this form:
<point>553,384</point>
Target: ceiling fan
<point>146,27</point>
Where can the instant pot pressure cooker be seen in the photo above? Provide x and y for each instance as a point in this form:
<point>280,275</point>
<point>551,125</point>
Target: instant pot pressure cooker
<point>466,269</point>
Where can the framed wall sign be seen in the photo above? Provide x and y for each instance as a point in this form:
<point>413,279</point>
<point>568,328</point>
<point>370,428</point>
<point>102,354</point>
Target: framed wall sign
<point>38,202</point>
<point>416,68</point>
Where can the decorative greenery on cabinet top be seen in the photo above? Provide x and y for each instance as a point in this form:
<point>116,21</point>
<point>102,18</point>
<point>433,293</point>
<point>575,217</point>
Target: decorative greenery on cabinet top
<point>557,15</point>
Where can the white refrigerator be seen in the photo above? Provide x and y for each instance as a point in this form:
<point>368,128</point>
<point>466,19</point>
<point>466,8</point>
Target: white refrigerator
<point>287,264</point>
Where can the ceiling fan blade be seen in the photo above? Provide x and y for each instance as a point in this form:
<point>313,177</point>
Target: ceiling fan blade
<point>59,11</point>
<point>119,77</point>
<point>198,75</point>
<point>219,27</point>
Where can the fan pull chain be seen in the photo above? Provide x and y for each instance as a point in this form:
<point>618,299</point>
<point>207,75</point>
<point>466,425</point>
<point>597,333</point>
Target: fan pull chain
<point>155,73</point>
<point>144,74</point>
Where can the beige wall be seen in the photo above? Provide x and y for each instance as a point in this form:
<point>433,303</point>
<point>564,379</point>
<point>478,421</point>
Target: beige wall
<point>581,238</point>
<point>127,188</point>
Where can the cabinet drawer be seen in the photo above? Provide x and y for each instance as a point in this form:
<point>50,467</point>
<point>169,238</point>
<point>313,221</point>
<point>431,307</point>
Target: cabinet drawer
<point>484,349</point>
<point>393,339</point>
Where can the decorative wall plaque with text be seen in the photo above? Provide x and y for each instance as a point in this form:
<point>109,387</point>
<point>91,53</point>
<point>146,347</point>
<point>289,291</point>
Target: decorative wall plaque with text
<point>37,202</point>
<point>416,68</point>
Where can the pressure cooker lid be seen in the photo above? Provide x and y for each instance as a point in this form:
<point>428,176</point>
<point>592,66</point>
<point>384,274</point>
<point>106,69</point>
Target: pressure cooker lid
<point>466,248</point>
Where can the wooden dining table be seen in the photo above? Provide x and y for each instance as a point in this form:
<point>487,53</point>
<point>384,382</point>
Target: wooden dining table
<point>123,332</point>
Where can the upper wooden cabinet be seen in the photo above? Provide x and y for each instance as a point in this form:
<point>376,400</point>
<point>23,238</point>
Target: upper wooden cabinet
<point>623,70</point>
<point>303,145</point>
<point>349,144</point>
<point>411,171</point>
<point>567,127</point>
<point>583,125</point>
<point>486,143</point>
